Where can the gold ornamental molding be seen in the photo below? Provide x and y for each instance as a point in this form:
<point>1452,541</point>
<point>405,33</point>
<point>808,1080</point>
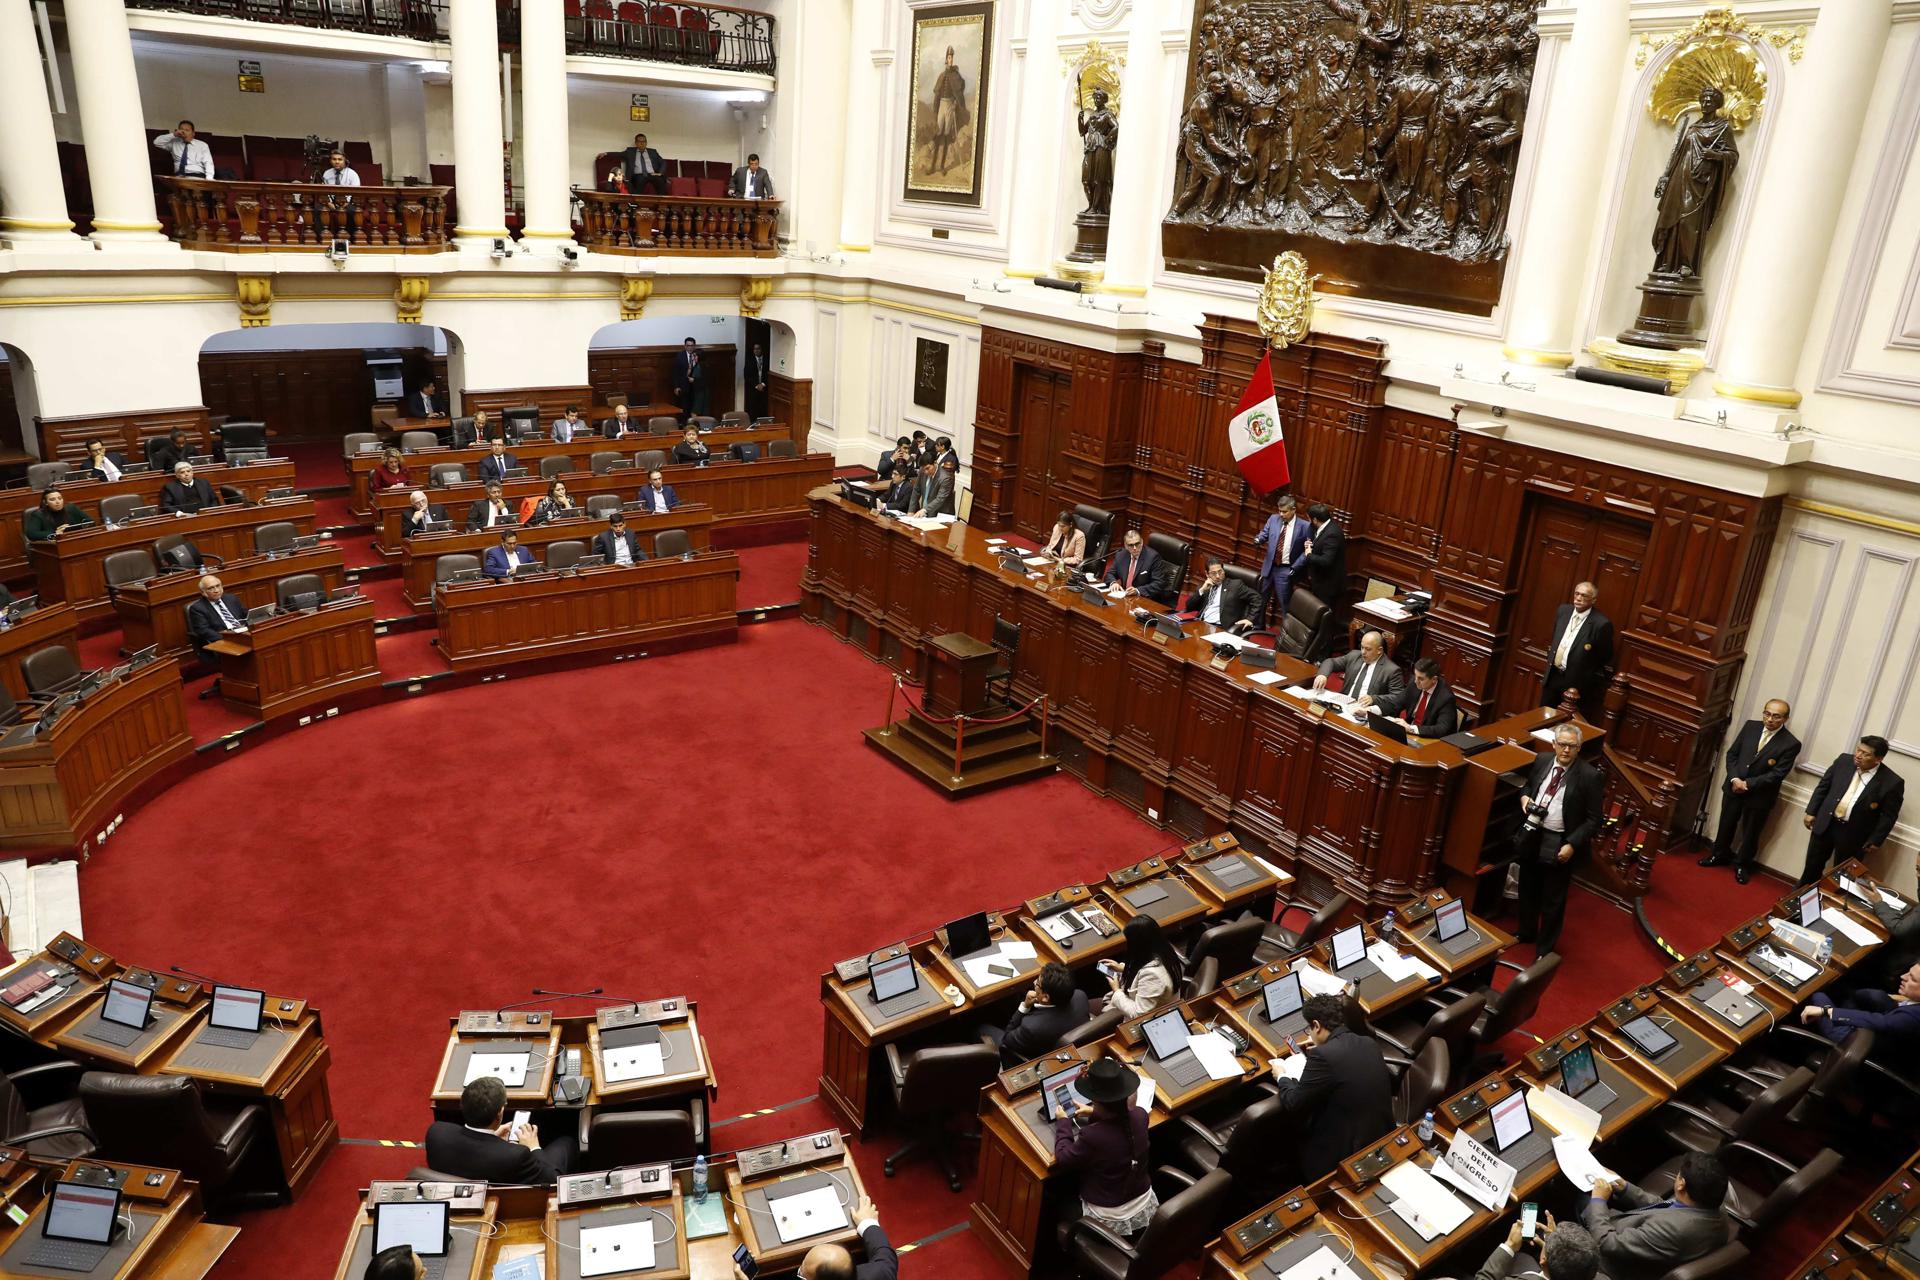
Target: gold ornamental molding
<point>753,294</point>
<point>255,295</point>
<point>1285,309</point>
<point>1726,63</point>
<point>408,297</point>
<point>1093,66</point>
<point>1722,23</point>
<point>634,292</point>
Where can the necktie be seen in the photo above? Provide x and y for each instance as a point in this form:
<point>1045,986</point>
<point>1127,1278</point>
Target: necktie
<point>180,161</point>
<point>1553,782</point>
<point>646,163</point>
<point>1420,709</point>
<point>225,616</point>
<point>1565,649</point>
<point>1761,746</point>
<point>1845,806</point>
<point>1133,564</point>
<point>1286,545</point>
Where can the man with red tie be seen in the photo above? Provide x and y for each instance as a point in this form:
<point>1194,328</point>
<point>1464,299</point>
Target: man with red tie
<point>1561,804</point>
<point>1137,569</point>
<point>1434,713</point>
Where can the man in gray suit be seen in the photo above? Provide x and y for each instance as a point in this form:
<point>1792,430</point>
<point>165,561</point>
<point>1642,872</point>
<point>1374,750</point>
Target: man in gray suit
<point>1651,1236</point>
<point>1566,1253</point>
<point>751,182</point>
<point>933,491</point>
<point>1368,676</point>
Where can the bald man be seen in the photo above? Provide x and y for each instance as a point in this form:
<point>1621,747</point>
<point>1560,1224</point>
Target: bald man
<point>212,616</point>
<point>1579,652</point>
<point>833,1262</point>
<point>1761,757</point>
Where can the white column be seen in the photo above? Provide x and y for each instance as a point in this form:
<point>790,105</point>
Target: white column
<point>111,124</point>
<point>1564,205</point>
<point>34,202</point>
<point>543,120</point>
<point>864,140</point>
<point>479,162</point>
<point>1134,225</point>
<point>1791,236</point>
<point>1033,236</point>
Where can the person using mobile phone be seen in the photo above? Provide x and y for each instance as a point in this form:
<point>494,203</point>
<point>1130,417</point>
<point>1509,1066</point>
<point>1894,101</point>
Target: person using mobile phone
<point>1049,1010</point>
<point>1566,1253</point>
<point>487,1147</point>
<point>833,1262</point>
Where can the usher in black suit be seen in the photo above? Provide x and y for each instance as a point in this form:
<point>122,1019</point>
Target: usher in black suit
<point>1745,812</point>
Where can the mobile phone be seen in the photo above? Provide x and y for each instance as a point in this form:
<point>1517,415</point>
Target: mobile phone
<point>744,1260</point>
<point>1529,1214</point>
<point>522,1118</point>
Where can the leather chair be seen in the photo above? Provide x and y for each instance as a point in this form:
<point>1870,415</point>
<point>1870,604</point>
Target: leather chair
<point>671,542</point>
<point>1203,979</point>
<point>565,555</point>
<point>116,508</point>
<point>1451,1023</point>
<point>442,474</point>
<point>163,1121</point>
<point>1762,1188</point>
<point>1702,1121</point>
<point>1176,555</point>
<point>1277,942</point>
<point>735,418</point>
<point>602,504</point>
<point>520,421</point>
<point>351,442</point>
<point>1307,630</point>
<point>446,566</point>
<point>175,552</point>
<point>151,447</point>
<point>1098,1027</point>
<point>460,433</point>
<point>661,424</point>
<point>782,449</point>
<point>1231,942</point>
<point>41,475</point>
<point>1507,1009</point>
<point>1242,1143</point>
<point>277,536</point>
<point>412,440</point>
<point>45,670</point>
<point>618,1139</point>
<point>649,460</point>
<point>135,564</point>
<point>1006,641</point>
<point>54,1130</point>
<point>1425,1082</point>
<point>1097,524</point>
<point>704,421</point>
<point>1249,576</point>
<point>930,1087</point>
<point>242,435</point>
<point>603,459</point>
<point>1834,1068</point>
<point>554,465</point>
<point>1726,1261</point>
<point>1179,1228</point>
<point>298,584</point>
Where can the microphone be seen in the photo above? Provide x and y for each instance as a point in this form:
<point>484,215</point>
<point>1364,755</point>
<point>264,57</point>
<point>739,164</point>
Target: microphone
<point>583,995</point>
<point>518,1004</point>
<point>198,977</point>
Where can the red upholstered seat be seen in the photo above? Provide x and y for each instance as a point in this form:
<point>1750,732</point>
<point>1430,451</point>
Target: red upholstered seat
<point>682,187</point>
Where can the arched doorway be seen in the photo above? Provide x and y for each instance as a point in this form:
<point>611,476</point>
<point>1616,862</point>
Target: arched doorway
<point>19,405</point>
<point>635,358</point>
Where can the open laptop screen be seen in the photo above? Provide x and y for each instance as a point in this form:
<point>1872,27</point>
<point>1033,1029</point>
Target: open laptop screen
<point>126,1004</point>
<point>893,977</point>
<point>81,1212</point>
<point>421,1225</point>
<point>1450,920</point>
<point>1282,996</point>
<point>1349,946</point>
<point>236,1008</point>
<point>1167,1034</point>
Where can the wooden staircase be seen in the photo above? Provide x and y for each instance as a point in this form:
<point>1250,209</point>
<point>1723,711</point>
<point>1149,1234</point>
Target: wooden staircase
<point>961,756</point>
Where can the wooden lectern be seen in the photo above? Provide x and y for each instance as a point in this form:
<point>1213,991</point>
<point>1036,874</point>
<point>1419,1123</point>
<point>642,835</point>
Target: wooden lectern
<point>956,675</point>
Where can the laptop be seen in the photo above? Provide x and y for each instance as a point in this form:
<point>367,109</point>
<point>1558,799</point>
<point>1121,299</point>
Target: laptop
<point>1349,952</point>
<point>1167,1038</point>
<point>1649,1037</point>
<point>1059,1092</point>
<point>1580,1078</point>
<point>1283,1005</point>
<point>1729,1004</point>
<point>1514,1137</point>
<point>234,1020</point>
<point>77,1230</point>
<point>425,1226</point>
<point>1451,930</point>
<point>260,613</point>
<point>123,1014</point>
<point>968,935</point>
<point>895,984</point>
<point>1382,723</point>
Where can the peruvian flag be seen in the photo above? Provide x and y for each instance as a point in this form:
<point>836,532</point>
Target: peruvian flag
<point>1258,445</point>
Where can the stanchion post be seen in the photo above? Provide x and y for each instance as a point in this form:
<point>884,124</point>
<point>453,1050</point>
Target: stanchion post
<point>959,746</point>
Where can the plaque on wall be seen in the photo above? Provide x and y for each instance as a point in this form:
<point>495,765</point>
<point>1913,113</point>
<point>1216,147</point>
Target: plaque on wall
<point>947,103</point>
<point>930,374</point>
<point>1377,137</point>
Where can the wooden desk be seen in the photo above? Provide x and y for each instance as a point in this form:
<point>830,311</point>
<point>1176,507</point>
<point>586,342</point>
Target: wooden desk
<point>749,1190</point>
<point>473,1237</point>
<point>1402,635</point>
<point>420,554</point>
<point>57,789</point>
<point>1084,947</point>
<point>1392,1240</point>
<point>1416,936</point>
<point>298,660</point>
<point>50,624</point>
<point>540,1039</point>
<point>1289,1231</point>
<point>155,611</point>
<point>170,1240</point>
<point>1703,974</point>
<point>488,624</point>
<point>688,1069</point>
<point>1159,727</point>
<point>254,481</point>
<point>1640,1090</point>
<point>170,1024</point>
<point>1744,948</point>
<point>71,567</point>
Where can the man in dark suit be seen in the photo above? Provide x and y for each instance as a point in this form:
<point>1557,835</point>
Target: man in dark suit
<point>658,496</point>
<point>487,1149</point>
<point>1759,760</point>
<point>945,455</point>
<point>689,380</point>
<point>1367,675</point>
<point>691,448</point>
<point>1049,1010</point>
<point>617,542</point>
<point>1223,603</point>
<point>490,510</point>
<point>621,424</point>
<point>1345,1095</point>
<point>833,1262</point>
<point>1561,804</point>
<point>1579,652</point>
<point>1567,1252</point>
<point>1893,1017</point>
<point>1853,808</point>
<point>420,513</point>
<point>1326,560</point>
<point>899,495</point>
<point>103,463</point>
<point>184,495</point>
<point>643,168</point>
<point>211,615</point>
<point>900,456</point>
<point>1651,1236</point>
<point>922,449</point>
<point>933,491</point>
<point>1136,568</point>
<point>1283,539</point>
<point>494,467</point>
<point>508,558</point>
<point>423,402</point>
<point>173,450</point>
<point>1429,710</point>
<point>757,382</point>
<point>751,182</point>
<point>396,1262</point>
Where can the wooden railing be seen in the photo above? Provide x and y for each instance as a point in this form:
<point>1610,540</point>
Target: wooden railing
<point>613,222</point>
<point>259,216</point>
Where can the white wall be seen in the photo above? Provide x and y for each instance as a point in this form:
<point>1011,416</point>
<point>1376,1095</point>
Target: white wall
<point>686,124</point>
<point>667,331</point>
<point>329,337</point>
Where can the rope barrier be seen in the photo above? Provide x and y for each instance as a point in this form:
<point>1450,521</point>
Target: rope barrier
<point>900,683</point>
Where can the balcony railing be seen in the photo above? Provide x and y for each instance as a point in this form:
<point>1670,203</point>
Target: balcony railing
<point>243,217</point>
<point>418,19</point>
<point>613,222</point>
<point>704,35</point>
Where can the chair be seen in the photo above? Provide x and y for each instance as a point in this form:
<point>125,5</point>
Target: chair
<point>521,419</point>
<point>602,504</point>
<point>1006,639</point>
<point>603,459</point>
<point>1230,942</point>
<point>41,475</point>
<point>1098,1027</point>
<point>351,442</point>
<point>1762,1188</point>
<point>1278,942</point>
<point>565,555</point>
<point>1507,1008</point>
<point>650,460</point>
<point>930,1087</point>
<point>460,433</point>
<point>1728,1260</point>
<point>1307,630</point>
<point>176,552</point>
<point>1834,1068</point>
<point>1182,1224</point>
<point>1425,1082</point>
<point>1243,1143</point>
<point>54,1130</point>
<point>1097,524</point>
<point>783,449</point>
<point>412,440</point>
<point>662,424</point>
<point>151,447</point>
<point>672,542</point>
<point>1249,576</point>
<point>242,435</point>
<point>1707,1123</point>
<point>116,508</point>
<point>46,670</point>
<point>290,588</point>
<point>164,1122</point>
<point>277,536</point>
<point>1452,1023</point>
<point>442,474</point>
<point>123,568</point>
<point>704,421</point>
<point>1174,554</point>
<point>620,1139</point>
<point>735,418</point>
<point>555,465</point>
<point>447,566</point>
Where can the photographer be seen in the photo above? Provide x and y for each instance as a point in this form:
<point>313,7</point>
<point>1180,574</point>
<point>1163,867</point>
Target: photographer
<point>1561,804</point>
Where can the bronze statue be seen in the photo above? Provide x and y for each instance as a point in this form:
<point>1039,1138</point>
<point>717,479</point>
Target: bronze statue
<point>1099,134</point>
<point>1691,189</point>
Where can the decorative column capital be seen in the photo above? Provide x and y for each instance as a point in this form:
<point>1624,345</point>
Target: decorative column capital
<point>634,292</point>
<point>255,296</point>
<point>409,296</point>
<point>753,294</point>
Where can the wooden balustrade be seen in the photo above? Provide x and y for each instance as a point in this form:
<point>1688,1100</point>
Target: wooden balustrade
<point>646,225</point>
<point>243,217</point>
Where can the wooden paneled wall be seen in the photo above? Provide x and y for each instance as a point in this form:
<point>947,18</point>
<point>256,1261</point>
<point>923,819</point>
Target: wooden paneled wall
<point>790,400</point>
<point>553,401</point>
<point>303,395</point>
<point>66,438</point>
<point>645,374</point>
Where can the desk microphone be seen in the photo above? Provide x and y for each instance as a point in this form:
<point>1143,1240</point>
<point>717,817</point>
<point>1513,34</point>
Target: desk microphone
<point>198,977</point>
<point>521,1004</point>
<point>584,995</point>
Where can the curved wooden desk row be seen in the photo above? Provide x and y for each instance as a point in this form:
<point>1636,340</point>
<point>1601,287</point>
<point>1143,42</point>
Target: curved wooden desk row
<point>155,611</point>
<point>163,1234</point>
<point>254,480</point>
<point>420,554</point>
<point>739,493</point>
<point>687,1063</point>
<point>284,1070</point>
<point>72,568</point>
<point>1161,727</point>
<point>531,452</point>
<point>50,624</point>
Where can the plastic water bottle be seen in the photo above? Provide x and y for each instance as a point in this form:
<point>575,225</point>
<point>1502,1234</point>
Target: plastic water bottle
<point>1386,926</point>
<point>700,1173</point>
<point>1425,1128</point>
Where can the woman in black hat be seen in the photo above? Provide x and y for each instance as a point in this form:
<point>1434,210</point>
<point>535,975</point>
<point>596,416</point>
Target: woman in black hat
<point>1150,974</point>
<point>1105,1141</point>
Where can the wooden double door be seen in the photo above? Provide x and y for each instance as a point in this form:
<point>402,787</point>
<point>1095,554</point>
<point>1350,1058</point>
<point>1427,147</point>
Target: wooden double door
<point>1042,408</point>
<point>1566,545</point>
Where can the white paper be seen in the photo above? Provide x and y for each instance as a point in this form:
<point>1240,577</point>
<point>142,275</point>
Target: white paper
<point>1578,1164</point>
<point>1143,1096</point>
<point>1283,876</point>
<point>1476,1170</point>
<point>996,542</point>
<point>1321,1264</point>
<point>1397,967</point>
<point>1316,981</point>
<point>1796,968</point>
<point>510,1067</point>
<point>1015,949</point>
<point>1304,692</point>
<point>1893,900</point>
<point>1224,637</point>
<point>1564,1115</point>
<point>1859,934</point>
<point>1059,925</point>
<point>1384,608</point>
<point>1291,1067</point>
<point>1545,735</point>
<point>1215,1054</point>
<point>1266,677</point>
<point>1038,560</point>
<point>810,1213</point>
<point>606,1251</point>
<point>1423,1203</point>
<point>945,518</point>
<point>634,1062</point>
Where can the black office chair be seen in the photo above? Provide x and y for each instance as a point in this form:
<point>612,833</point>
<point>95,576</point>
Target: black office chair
<point>351,442</point>
<point>661,424</point>
<point>117,507</point>
<point>242,435</point>
<point>1705,1120</point>
<point>1762,1188</point>
<point>601,504</point>
<point>43,475</point>
<point>603,460</point>
<point>1203,979</point>
<point>1424,1082</point>
<point>460,433</point>
<point>1188,1215</point>
<point>164,1122</point>
<point>288,591</point>
<point>672,542</point>
<point>1728,1261</point>
<point>124,568</point>
<point>1174,555</point>
<point>704,421</point>
<point>1242,1142</point>
<point>555,465</point>
<point>151,448</point>
<point>1098,1027</point>
<point>1006,641</point>
<point>55,1129</point>
<point>931,1087</point>
<point>1307,630</point>
<point>1507,1009</point>
<point>277,536</point>
<point>782,449</point>
<point>442,474</point>
<point>1231,943</point>
<point>565,555</point>
<point>447,566</point>
<point>1249,576</point>
<point>744,451</point>
<point>1452,1024</point>
<point>175,552</point>
<point>1277,942</point>
<point>521,420</point>
<point>1823,1107</point>
<point>47,671</point>
<point>1097,524</point>
<point>649,460</point>
<point>618,1139</point>
<point>735,418</point>
<point>412,440</point>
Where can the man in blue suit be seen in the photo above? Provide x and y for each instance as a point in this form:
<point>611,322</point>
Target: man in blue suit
<point>1284,538</point>
<point>496,464</point>
<point>1138,569</point>
<point>508,558</point>
<point>658,496</point>
<point>1894,1019</point>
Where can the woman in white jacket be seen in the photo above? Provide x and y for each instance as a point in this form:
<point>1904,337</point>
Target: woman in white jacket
<point>1151,973</point>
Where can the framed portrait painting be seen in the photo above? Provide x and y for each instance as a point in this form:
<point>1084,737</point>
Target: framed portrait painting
<point>947,115</point>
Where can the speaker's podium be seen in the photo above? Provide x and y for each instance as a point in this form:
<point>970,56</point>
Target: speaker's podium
<point>959,738</point>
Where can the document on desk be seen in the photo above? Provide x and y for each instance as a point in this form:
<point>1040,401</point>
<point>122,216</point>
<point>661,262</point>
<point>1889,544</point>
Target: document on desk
<point>980,968</point>
<point>1225,637</point>
<point>1291,1067</point>
<point>810,1213</point>
<point>1321,1264</point>
<point>1038,560</point>
<point>528,1263</point>
<point>1397,967</point>
<point>1143,1094</point>
<point>633,1062</point>
<point>1423,1203</point>
<point>511,1068</point>
<point>1564,1115</point>
<point>1576,1161</point>
<point>1317,981</point>
<point>1215,1054</point>
<point>1266,677</point>
<point>1798,971</point>
<point>996,542</point>
<point>1545,735</point>
<point>1859,934</point>
<point>1062,925</point>
<point>1016,949</point>
<point>616,1250</point>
